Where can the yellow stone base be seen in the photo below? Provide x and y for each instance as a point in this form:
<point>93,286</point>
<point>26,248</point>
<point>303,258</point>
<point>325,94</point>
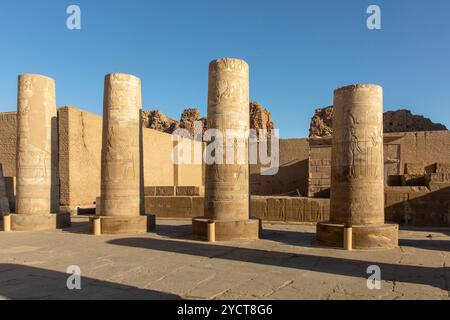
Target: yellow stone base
<point>227,230</point>
<point>28,222</point>
<point>383,236</point>
<point>124,225</point>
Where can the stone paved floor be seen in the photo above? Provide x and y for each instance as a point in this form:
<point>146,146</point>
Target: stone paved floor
<point>168,265</point>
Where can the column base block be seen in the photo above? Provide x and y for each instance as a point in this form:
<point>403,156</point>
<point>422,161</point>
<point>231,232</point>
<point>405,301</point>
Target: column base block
<point>383,236</point>
<point>227,230</point>
<point>124,225</point>
<point>51,221</point>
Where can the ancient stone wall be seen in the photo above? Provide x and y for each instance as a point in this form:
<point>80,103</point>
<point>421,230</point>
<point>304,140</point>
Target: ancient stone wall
<point>404,121</point>
<point>155,119</point>
<point>268,208</point>
<point>260,118</point>
<point>410,206</point>
<point>292,176</point>
<point>80,141</point>
<point>393,121</point>
<point>411,153</point>
<point>80,135</point>
<point>8,130</point>
<point>418,206</point>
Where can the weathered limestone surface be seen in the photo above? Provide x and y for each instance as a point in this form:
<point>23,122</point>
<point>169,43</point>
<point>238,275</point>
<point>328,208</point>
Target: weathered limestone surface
<point>4,203</point>
<point>287,209</point>
<point>37,155</point>
<point>121,194</point>
<point>322,123</point>
<point>357,171</point>
<point>404,121</point>
<point>357,157</point>
<point>408,157</point>
<point>188,119</point>
<point>260,118</point>
<point>8,140</point>
<point>227,185</point>
<point>155,119</point>
<point>169,265</point>
<point>80,142</point>
<point>393,121</point>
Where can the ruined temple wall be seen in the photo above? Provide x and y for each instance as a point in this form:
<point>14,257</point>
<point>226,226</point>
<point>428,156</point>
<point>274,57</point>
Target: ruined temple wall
<point>157,157</point>
<point>191,173</point>
<point>410,206</point>
<point>159,167</point>
<point>426,148</point>
<point>421,149</point>
<point>8,128</point>
<point>292,174</point>
<point>80,140</point>
<point>267,208</point>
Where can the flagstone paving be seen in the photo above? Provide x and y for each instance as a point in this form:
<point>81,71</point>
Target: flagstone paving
<point>285,264</point>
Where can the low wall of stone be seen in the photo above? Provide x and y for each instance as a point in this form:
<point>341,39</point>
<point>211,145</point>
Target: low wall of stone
<point>294,209</point>
<point>402,152</point>
<point>408,206</point>
<point>418,206</point>
<point>8,130</point>
<point>292,175</point>
<point>80,143</point>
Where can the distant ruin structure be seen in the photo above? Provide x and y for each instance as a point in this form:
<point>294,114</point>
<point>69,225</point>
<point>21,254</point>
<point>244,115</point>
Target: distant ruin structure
<point>393,121</point>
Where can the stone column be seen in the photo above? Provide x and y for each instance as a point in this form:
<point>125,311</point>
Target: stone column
<point>37,199</point>
<point>227,179</point>
<point>120,198</point>
<point>4,203</point>
<point>357,171</point>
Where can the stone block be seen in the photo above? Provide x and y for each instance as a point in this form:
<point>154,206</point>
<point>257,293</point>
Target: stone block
<point>163,191</point>
<point>121,224</point>
<point>150,191</point>
<point>414,169</point>
<point>413,180</point>
<point>364,236</point>
<point>190,190</point>
<point>227,230</point>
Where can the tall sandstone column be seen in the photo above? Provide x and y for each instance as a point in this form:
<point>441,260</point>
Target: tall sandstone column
<point>357,171</point>
<point>37,199</point>
<point>227,183</point>
<point>120,198</point>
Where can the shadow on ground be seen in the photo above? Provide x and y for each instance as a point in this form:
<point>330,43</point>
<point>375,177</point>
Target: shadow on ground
<point>174,231</point>
<point>438,245</point>
<point>293,238</point>
<point>25,282</point>
<point>435,277</point>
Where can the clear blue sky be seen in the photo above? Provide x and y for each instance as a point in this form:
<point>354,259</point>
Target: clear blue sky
<point>298,51</point>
